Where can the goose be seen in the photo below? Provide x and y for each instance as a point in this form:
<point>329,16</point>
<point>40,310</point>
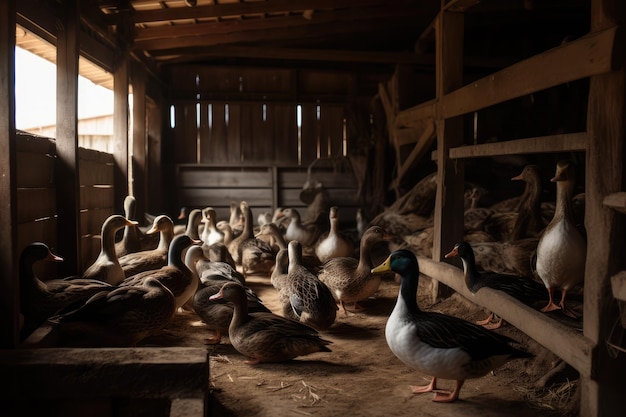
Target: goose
<point>304,297</point>
<point>443,346</point>
<point>522,288</point>
<point>333,244</point>
<point>121,317</point>
<point>350,280</point>
<point>267,337</point>
<point>39,299</point>
<point>562,250</point>
<point>176,276</point>
<point>147,260</point>
<point>107,267</point>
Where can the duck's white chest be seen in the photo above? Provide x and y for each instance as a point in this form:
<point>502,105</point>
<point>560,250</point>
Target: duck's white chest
<point>561,254</point>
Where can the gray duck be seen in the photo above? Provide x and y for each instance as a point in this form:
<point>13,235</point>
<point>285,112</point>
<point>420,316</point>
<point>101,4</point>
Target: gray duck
<point>267,337</point>
<point>350,280</point>
<point>121,317</point>
<point>303,296</point>
<point>107,267</point>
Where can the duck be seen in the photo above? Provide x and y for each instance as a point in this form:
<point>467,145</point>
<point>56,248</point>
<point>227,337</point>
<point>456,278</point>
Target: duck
<point>176,276</point>
<point>211,234</point>
<point>193,224</point>
<point>107,267</point>
<point>254,255</point>
<point>267,337</point>
<point>281,268</point>
<point>303,296</point>
<point>307,234</point>
<point>271,233</point>
<point>562,250</point>
<point>524,289</point>
<point>333,244</point>
<point>436,344</point>
<point>40,300</point>
<point>350,280</point>
<point>147,260</point>
<point>512,257</point>
<point>133,239</point>
<point>121,317</point>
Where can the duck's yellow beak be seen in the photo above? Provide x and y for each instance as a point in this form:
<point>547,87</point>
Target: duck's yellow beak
<point>384,267</point>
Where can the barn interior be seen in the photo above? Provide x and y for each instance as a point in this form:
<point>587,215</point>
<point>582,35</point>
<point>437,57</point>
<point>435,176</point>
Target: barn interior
<point>390,110</point>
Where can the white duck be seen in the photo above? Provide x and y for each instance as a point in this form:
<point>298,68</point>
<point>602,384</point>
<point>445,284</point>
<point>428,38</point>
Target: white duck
<point>562,250</point>
<point>333,244</point>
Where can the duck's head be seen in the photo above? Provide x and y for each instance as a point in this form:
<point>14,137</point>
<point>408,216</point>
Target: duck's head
<point>231,291</point>
<point>402,262</point>
<point>462,249</point>
<point>161,222</point>
<point>38,251</point>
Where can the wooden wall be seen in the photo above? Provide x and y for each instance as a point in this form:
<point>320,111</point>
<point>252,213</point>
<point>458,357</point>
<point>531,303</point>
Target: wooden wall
<point>36,195</point>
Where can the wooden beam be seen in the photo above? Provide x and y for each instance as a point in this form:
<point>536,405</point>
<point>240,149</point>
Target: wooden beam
<point>73,373</point>
<point>67,166</point>
<point>245,8</point>
<point>327,26</point>
<point>413,116</point>
<point>563,341</point>
<point>594,54</point>
<point>570,142</point>
<point>253,52</point>
<point>605,174</point>
<point>9,278</point>
<point>424,142</point>
<point>140,140</point>
<point>120,129</point>
<point>448,221</point>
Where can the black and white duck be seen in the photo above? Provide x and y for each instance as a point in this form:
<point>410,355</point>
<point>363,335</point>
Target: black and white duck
<point>522,288</point>
<point>443,346</point>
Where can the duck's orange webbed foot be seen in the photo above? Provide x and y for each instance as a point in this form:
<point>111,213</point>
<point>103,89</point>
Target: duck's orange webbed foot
<point>419,389</point>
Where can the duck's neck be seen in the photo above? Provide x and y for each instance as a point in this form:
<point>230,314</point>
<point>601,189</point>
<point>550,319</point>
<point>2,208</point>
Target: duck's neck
<point>365,256</point>
<point>334,227</point>
<point>240,312</point>
<point>470,272</point>
<point>408,294</point>
<point>192,227</point>
<point>108,243</point>
<point>28,278</point>
<point>564,191</point>
<point>280,239</point>
<point>165,238</point>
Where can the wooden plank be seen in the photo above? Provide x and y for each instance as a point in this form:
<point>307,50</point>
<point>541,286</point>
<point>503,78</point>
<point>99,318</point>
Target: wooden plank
<point>43,176</point>
<point>563,341</point>
<point>96,173</point>
<point>204,197</point>
<point>594,54</point>
<point>616,201</point>
<point>42,230</point>
<point>54,373</point>
<point>330,179</point>
<point>570,142</point>
<point>139,162</point>
<point>412,116</point>
<point>233,132</point>
<point>67,171</point>
<point>203,177</point>
<point>218,143</point>
<point>35,203</point>
<point>285,133</point>
<point>27,142</point>
<point>97,198</point>
<point>310,137</point>
<point>421,147</point>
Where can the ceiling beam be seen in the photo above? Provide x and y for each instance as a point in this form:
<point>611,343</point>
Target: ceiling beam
<point>375,57</point>
<point>237,25</point>
<point>244,8</point>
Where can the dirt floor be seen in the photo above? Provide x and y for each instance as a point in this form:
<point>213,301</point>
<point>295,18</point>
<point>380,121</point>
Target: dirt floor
<point>362,377</point>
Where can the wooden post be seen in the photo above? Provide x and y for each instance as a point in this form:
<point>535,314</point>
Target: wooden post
<point>9,288</point>
<point>67,172</point>
<point>603,393</point>
<point>450,176</point>
<point>120,131</point>
<point>140,142</point>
